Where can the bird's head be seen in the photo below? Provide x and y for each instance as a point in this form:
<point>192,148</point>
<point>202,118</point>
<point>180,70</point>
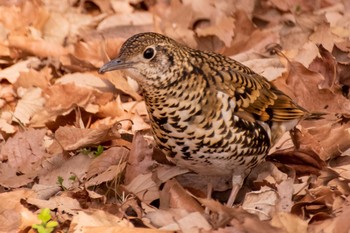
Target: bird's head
<point>149,58</point>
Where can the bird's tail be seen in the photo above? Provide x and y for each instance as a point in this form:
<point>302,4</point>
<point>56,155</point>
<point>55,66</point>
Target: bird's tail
<point>315,116</point>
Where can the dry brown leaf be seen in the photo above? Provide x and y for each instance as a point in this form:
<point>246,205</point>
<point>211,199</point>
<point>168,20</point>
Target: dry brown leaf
<point>62,99</point>
<point>87,80</point>
<point>223,28</point>
<point>14,216</point>
<point>261,203</point>
<point>111,173</point>
<point>270,68</point>
<point>25,150</point>
<point>117,79</point>
<point>5,123</point>
<point>326,65</point>
<point>23,14</point>
<point>109,157</point>
<point>31,102</point>
<point>84,221</point>
<point>285,191</point>
<point>289,223</point>
<point>34,78</point>
<point>173,195</point>
<point>118,229</point>
<point>63,204</point>
<point>36,46</point>
<point>10,178</point>
<point>302,84</point>
<point>71,138</point>
<point>332,138</point>
<point>179,220</point>
<point>140,158</point>
<point>136,18</point>
<point>323,35</point>
<point>146,186</point>
<point>56,28</point>
<point>305,55</point>
<point>8,95</point>
<point>12,73</point>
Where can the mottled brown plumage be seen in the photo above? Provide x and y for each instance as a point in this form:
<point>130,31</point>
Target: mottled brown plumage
<point>208,113</point>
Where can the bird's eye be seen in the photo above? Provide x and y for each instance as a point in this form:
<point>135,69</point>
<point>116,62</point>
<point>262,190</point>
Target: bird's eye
<point>148,53</point>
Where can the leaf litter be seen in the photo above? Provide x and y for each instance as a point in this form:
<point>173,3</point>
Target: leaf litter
<point>80,143</point>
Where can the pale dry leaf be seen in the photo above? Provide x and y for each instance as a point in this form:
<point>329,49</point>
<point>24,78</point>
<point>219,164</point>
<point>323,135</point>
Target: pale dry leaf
<point>323,36</point>
<point>37,46</point>
<point>94,218</point>
<point>12,73</point>
<point>164,217</point>
<point>285,191</point>
<point>118,229</point>
<point>146,186</point>
<point>267,171</point>
<point>25,151</point>
<point>289,223</point>
<point>171,21</point>
<point>23,14</point>
<point>140,158</point>
<point>326,226</point>
<point>34,78</point>
<point>62,204</point>
<point>76,167</point>
<point>80,23</point>
<point>327,66</point>
<point>193,222</point>
<point>31,102</point>
<point>121,6</point>
<point>10,178</point>
<point>14,217</point>
<point>6,127</point>
<point>115,111</point>
<point>119,81</point>
<point>138,107</point>
<point>332,137</point>
<point>56,28</point>
<point>109,157</point>
<point>63,98</point>
<point>87,80</point>
<point>270,68</point>
<point>173,195</point>
<point>302,85</point>
<point>262,202</point>
<point>223,27</point>
<point>7,95</point>
<point>71,138</point>
<point>136,18</point>
<point>305,55</point>
<point>44,192</point>
<point>110,174</point>
<point>138,123</point>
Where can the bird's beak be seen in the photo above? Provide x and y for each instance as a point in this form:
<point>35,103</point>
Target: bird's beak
<point>115,64</point>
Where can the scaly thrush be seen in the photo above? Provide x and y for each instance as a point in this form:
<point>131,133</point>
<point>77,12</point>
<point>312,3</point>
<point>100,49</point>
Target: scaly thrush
<point>209,113</point>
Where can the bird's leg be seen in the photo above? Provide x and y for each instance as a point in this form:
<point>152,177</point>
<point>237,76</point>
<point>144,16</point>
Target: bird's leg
<point>209,189</point>
<point>209,193</point>
<point>237,181</point>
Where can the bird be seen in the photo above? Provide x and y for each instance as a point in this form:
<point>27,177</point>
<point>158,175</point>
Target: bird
<point>208,113</point>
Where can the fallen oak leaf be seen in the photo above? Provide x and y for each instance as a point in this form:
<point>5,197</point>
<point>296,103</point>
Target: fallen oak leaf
<point>173,195</point>
<point>71,138</point>
<point>36,46</point>
<point>31,102</point>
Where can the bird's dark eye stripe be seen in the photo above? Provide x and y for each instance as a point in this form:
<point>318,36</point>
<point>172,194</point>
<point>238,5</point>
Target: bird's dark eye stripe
<point>148,53</point>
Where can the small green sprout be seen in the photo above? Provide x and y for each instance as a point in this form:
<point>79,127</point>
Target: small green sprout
<point>46,225</point>
<point>99,150</point>
<point>60,182</point>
